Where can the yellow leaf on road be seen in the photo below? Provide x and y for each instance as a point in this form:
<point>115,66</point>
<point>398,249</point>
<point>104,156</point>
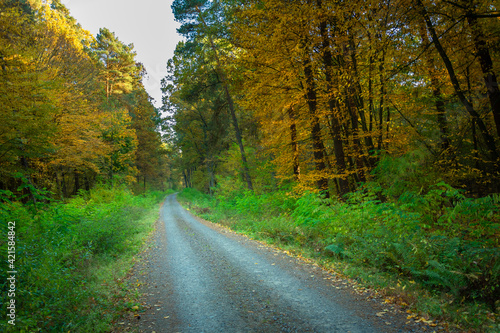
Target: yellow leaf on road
<point>423,320</point>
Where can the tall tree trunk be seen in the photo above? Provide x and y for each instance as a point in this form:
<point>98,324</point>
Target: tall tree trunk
<point>381,102</point>
<point>474,142</point>
<point>87,182</point>
<point>77,183</point>
<point>484,57</point>
<point>292,115</point>
<point>184,175</point>
<point>436,92</point>
<point>190,177</point>
<point>371,62</point>
<point>360,161</point>
<point>64,187</point>
<point>488,139</point>
<point>360,105</point>
<point>318,147</point>
<point>387,124</point>
<point>350,95</point>
<point>335,128</point>
<point>58,184</point>
<point>210,172</point>
<point>239,138</point>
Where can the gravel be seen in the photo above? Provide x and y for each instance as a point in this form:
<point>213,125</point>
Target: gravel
<point>200,277</point>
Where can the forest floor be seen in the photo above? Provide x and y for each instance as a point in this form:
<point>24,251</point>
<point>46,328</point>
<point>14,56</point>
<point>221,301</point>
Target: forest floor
<point>197,276</point>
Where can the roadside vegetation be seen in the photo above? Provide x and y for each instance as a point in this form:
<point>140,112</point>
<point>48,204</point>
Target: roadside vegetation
<point>72,258</point>
<point>82,169</point>
<point>425,246</point>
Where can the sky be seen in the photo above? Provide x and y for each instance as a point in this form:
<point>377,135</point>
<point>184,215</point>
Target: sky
<point>148,24</point>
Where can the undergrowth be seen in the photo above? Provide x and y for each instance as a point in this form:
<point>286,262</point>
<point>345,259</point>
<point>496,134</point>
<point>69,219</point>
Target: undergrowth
<point>438,248</point>
<point>71,258</point>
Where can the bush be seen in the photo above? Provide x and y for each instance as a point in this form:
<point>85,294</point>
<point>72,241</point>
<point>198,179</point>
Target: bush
<point>63,252</point>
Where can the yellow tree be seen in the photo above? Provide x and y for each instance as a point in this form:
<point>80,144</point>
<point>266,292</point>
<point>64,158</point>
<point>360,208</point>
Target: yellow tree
<point>79,145</point>
<point>27,99</point>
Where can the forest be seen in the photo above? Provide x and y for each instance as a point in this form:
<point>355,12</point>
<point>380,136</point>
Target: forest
<point>360,134</point>
<point>74,111</point>
<point>316,94</point>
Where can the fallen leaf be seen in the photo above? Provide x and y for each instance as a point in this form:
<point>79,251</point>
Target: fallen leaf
<point>423,320</point>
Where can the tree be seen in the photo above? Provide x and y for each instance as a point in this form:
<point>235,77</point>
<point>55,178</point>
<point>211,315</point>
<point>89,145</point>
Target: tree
<point>194,15</point>
<point>149,156</point>
<point>335,86</point>
<point>489,140</point>
<point>118,67</point>
<point>196,102</point>
<point>48,85</point>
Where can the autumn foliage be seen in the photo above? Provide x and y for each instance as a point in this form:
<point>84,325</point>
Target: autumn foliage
<point>324,90</point>
<point>74,111</point>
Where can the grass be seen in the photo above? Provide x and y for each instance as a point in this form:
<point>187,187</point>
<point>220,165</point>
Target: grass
<point>434,252</point>
<point>72,259</point>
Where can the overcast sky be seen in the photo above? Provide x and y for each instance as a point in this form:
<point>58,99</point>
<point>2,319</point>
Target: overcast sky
<point>148,24</point>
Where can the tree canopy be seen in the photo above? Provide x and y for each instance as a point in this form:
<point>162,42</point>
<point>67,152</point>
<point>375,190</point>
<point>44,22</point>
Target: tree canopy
<point>324,90</point>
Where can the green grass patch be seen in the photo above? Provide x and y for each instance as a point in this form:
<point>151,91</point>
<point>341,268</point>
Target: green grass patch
<point>434,251</point>
<point>72,258</point>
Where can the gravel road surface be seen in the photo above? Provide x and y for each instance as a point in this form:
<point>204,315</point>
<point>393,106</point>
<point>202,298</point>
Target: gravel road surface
<point>200,277</point>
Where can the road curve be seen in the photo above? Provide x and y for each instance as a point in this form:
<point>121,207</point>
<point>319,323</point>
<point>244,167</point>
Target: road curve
<point>203,278</point>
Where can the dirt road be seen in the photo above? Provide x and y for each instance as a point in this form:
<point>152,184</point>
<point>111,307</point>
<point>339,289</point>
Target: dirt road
<point>199,277</point>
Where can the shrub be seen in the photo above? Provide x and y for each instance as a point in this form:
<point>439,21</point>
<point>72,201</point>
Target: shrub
<point>62,251</point>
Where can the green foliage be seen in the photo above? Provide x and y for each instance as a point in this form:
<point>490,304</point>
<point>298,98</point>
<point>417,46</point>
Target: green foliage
<point>410,172</point>
<point>70,257</point>
<point>193,195</point>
